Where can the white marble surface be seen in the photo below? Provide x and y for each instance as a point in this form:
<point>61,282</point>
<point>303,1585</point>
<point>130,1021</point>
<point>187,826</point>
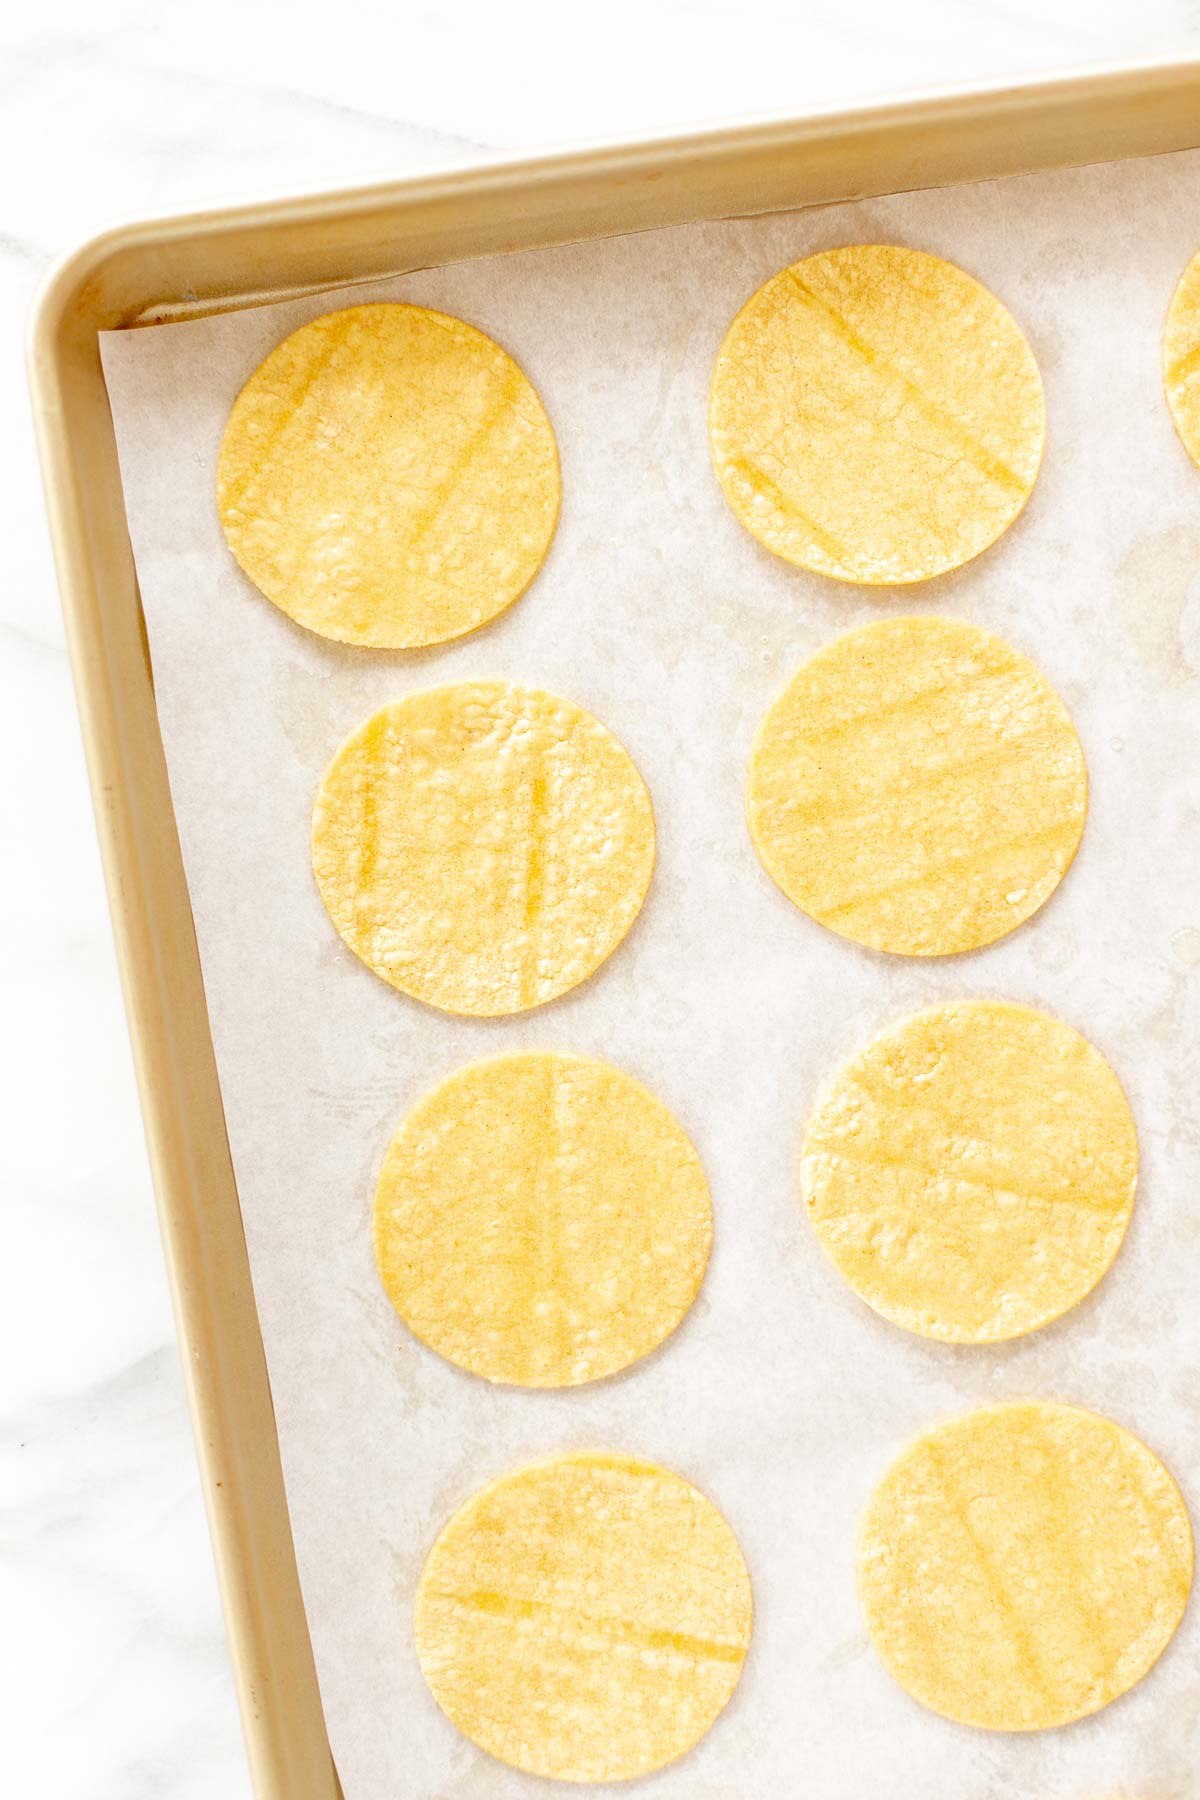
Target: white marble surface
<point>111,1653</point>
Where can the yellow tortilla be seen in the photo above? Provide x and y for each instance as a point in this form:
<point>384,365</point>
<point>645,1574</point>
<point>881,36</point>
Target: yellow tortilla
<point>876,415</point>
<point>1023,1565</point>
<point>1181,358</point>
<point>542,1219</point>
<point>971,1172</point>
<point>918,787</point>
<point>483,847</point>
<point>389,477</point>
<point>585,1618</point>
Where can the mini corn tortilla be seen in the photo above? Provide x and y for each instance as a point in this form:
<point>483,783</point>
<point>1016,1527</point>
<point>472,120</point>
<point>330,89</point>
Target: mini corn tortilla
<point>971,1173</point>
<point>876,415</point>
<point>1181,358</point>
<point>389,477</point>
<point>542,1219</point>
<point>585,1618</point>
<point>483,847</point>
<point>1024,1565</point>
<point>918,787</point>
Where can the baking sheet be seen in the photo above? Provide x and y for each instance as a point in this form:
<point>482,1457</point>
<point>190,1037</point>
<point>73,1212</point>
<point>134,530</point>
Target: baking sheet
<point>782,1396</point>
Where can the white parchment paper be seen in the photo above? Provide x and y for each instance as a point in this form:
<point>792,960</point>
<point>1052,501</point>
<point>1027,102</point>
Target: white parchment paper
<point>782,1396</point>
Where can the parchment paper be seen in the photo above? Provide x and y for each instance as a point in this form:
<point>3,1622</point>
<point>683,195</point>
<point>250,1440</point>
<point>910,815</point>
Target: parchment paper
<point>782,1396</point>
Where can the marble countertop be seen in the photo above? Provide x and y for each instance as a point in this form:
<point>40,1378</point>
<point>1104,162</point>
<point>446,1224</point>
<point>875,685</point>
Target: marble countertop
<point>114,1664</point>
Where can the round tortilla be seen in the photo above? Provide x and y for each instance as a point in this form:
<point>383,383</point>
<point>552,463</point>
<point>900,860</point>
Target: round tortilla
<point>876,415</point>
<point>585,1618</point>
<point>542,1219</point>
<point>389,477</point>
<point>971,1173</point>
<point>483,847</point>
<point>1023,1565</point>
<point>918,787</point>
<point>1181,358</point>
